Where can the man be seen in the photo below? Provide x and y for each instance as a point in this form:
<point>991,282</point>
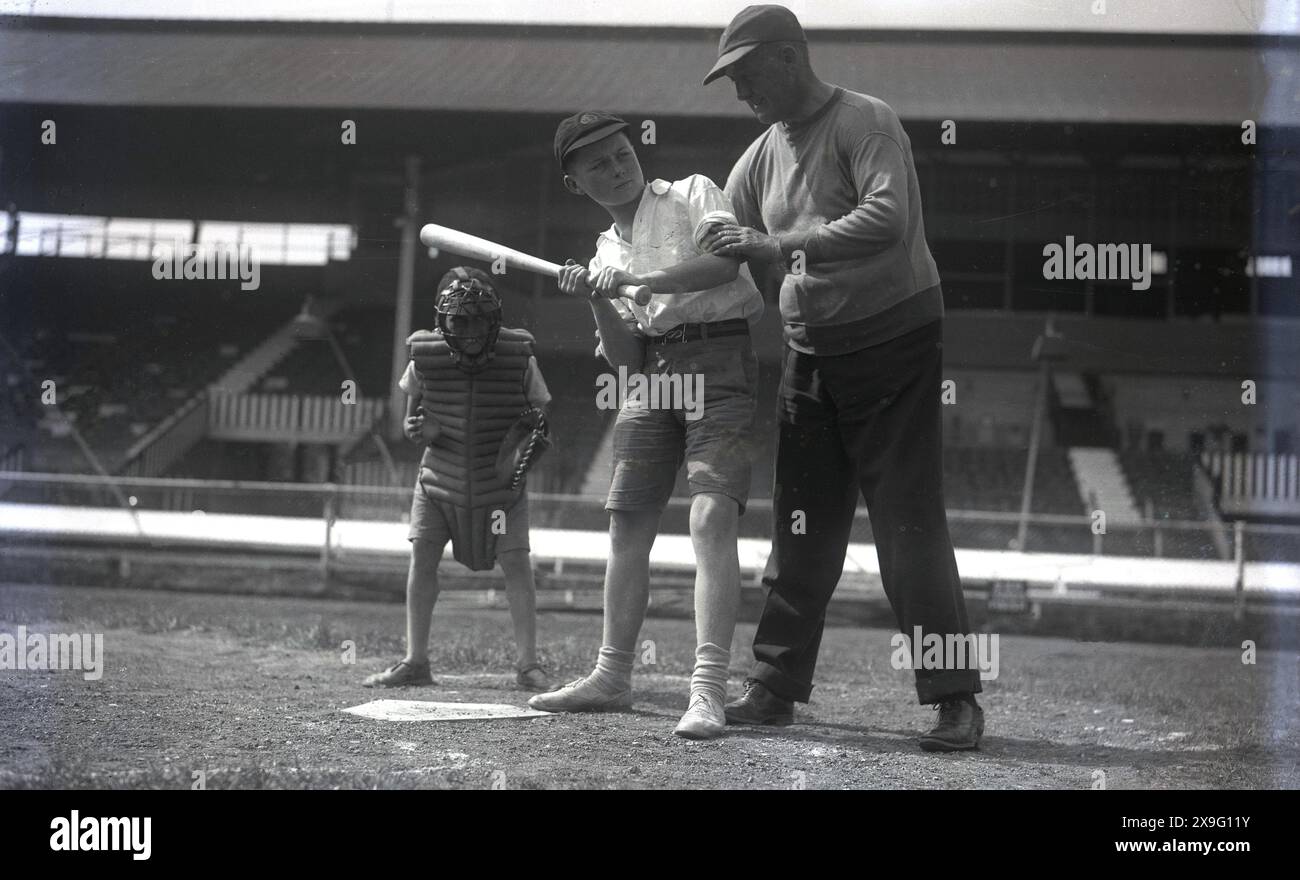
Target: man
<point>695,333</point>
<point>828,197</point>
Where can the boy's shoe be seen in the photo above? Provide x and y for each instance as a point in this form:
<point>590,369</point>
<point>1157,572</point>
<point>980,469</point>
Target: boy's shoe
<point>400,674</point>
<point>960,726</point>
<point>704,719</point>
<point>760,706</point>
<point>583,695</point>
<point>533,678</point>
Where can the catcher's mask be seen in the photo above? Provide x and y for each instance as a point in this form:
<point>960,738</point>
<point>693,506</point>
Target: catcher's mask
<point>469,316</point>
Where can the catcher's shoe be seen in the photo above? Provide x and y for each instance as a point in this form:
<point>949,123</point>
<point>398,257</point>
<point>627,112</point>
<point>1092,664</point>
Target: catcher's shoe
<point>760,706</point>
<point>400,674</point>
<point>960,726</point>
<point>533,678</point>
<point>583,695</point>
<point>704,718</point>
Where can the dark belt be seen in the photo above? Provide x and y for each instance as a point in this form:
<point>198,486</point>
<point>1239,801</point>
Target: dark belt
<point>700,332</point>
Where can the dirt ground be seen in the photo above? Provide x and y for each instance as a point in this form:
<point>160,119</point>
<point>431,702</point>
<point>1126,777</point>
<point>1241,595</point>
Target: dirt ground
<point>249,692</point>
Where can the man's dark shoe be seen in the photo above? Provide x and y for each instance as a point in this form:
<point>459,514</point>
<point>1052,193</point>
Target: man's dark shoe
<point>960,726</point>
<point>759,706</point>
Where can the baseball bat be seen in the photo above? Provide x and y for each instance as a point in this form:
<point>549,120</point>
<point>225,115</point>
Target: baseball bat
<point>445,239</point>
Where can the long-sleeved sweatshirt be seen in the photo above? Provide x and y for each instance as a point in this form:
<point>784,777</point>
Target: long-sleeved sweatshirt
<point>841,188</point>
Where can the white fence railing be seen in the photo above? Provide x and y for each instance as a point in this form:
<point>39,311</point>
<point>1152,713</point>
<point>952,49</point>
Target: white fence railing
<point>1255,483</point>
<point>288,417</point>
<point>243,522</point>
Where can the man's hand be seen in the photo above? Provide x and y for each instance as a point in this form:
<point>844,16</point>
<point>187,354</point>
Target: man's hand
<point>609,280</point>
<point>742,242</point>
<point>573,280</point>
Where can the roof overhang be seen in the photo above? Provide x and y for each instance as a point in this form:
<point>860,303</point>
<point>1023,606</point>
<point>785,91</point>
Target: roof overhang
<point>1036,77</point>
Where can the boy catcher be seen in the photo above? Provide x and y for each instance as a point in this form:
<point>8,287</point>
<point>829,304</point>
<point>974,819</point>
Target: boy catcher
<point>696,329</point>
<point>477,400</point>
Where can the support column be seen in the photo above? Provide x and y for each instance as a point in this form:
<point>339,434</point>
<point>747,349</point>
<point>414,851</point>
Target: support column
<point>1048,349</point>
<point>409,223</point>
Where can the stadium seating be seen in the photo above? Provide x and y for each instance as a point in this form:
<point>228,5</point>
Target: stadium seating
<point>1164,479</point>
<point>364,336</point>
<point>993,478</point>
<point>124,363</point>
<point>120,365</point>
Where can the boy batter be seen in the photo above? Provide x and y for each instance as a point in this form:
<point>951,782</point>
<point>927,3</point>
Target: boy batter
<point>695,328</point>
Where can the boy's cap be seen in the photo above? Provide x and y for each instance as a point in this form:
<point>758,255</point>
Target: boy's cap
<point>584,128</point>
<point>751,26</point>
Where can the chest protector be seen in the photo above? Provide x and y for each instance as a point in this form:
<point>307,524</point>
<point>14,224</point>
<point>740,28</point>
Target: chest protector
<point>475,411</point>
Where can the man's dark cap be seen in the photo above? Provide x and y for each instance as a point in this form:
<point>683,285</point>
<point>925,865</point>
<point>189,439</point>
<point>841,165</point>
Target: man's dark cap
<point>753,26</point>
<point>584,128</point>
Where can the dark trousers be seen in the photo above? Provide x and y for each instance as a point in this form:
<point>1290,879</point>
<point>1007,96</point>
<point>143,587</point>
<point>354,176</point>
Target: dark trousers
<point>870,422</point>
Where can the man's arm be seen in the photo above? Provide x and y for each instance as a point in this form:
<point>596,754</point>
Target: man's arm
<point>878,222</point>
<point>880,219</point>
<point>765,267</point>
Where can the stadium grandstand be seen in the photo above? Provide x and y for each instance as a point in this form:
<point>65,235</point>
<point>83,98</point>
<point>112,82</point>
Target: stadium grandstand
<point>1173,408</point>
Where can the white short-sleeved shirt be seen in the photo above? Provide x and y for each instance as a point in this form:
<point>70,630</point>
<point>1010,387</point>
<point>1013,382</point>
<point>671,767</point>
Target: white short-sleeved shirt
<point>535,389</point>
<point>670,223</point>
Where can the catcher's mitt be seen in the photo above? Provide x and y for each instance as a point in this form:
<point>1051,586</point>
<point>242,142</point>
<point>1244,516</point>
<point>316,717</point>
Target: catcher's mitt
<point>523,444</point>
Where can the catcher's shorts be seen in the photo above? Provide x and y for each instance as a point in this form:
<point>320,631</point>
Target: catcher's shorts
<point>651,442</point>
<point>429,524</point>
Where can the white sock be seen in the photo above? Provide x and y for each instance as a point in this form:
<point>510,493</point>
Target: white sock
<point>710,675</point>
<point>614,669</point>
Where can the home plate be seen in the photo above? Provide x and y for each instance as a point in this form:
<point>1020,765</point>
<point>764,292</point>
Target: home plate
<point>424,710</point>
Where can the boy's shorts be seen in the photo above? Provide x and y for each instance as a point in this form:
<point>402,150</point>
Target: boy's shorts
<point>429,524</point>
<point>651,442</point>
